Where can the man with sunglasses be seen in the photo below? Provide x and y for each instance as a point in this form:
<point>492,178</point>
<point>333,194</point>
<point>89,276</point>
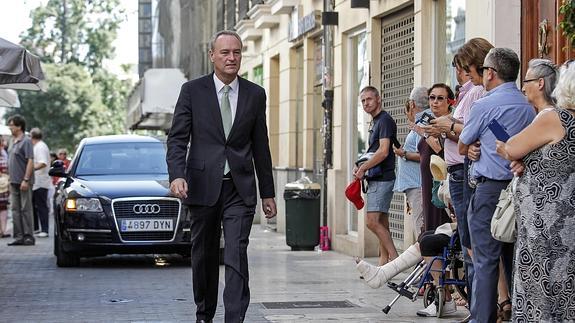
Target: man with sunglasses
<point>505,103</point>
<point>466,60</point>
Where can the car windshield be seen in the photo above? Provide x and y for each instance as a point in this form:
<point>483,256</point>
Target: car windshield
<point>122,158</point>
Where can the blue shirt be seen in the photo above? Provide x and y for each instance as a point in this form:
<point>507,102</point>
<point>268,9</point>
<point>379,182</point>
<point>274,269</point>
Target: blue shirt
<point>510,108</point>
<point>408,172</point>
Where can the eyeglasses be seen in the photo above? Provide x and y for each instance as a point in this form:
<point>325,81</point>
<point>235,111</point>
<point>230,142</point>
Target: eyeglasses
<point>481,69</point>
<point>531,80</point>
<point>439,98</point>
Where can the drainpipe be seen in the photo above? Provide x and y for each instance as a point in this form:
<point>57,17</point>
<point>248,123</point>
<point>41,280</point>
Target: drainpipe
<point>329,18</point>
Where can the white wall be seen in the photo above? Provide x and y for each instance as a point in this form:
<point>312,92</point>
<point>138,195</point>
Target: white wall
<point>498,21</point>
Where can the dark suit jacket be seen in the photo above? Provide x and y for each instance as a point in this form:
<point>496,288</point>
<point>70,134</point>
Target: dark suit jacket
<point>197,121</point>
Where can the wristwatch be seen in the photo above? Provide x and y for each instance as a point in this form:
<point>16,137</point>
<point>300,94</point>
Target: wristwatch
<point>26,180</point>
<point>404,155</point>
<point>452,129</point>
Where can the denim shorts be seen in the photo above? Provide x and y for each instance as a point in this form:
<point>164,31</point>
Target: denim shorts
<point>379,196</point>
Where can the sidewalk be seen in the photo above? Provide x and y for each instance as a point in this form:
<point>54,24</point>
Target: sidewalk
<point>140,289</point>
<point>278,274</point>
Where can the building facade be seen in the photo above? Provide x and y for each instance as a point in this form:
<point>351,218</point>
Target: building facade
<point>393,45</point>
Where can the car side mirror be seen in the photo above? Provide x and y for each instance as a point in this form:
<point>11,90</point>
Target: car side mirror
<point>58,169</point>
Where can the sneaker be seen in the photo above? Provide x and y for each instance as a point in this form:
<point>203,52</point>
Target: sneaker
<point>428,311</point>
<point>448,308</point>
<point>42,235</point>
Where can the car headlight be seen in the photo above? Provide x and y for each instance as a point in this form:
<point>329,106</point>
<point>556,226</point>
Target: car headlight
<point>83,205</point>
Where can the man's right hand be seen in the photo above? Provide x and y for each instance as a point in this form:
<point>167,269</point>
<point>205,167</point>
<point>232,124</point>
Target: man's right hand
<point>179,188</point>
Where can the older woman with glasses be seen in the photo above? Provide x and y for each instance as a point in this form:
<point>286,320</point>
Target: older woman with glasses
<point>539,83</point>
<point>545,199</point>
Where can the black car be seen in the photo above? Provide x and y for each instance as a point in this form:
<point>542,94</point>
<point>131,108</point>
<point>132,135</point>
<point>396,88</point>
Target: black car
<point>114,198</point>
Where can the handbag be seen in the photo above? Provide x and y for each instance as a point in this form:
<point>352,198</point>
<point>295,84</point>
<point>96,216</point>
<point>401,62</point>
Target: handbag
<point>443,192</point>
<point>435,199</point>
<point>504,222</point>
<point>4,182</point>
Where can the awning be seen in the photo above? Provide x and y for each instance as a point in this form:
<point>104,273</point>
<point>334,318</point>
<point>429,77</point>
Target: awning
<point>151,104</point>
<point>19,69</point>
<point>9,98</point>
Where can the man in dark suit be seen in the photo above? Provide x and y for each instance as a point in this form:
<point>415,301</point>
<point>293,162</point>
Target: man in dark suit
<point>222,118</point>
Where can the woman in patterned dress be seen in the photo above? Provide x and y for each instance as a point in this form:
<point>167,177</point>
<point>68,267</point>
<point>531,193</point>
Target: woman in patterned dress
<point>3,192</point>
<point>544,279</point>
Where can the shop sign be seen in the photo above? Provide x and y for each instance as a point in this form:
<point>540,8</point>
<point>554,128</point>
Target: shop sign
<point>303,25</point>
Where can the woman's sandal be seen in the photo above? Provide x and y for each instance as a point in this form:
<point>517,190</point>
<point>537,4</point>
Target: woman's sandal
<point>504,313</point>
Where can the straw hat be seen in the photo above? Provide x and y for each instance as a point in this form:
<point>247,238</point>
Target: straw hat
<point>438,168</point>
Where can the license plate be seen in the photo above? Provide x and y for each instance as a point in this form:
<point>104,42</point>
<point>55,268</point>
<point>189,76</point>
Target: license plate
<point>131,225</point>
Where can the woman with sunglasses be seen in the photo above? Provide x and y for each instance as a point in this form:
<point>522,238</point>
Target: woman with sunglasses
<point>440,98</point>
<point>440,95</point>
<point>545,199</point>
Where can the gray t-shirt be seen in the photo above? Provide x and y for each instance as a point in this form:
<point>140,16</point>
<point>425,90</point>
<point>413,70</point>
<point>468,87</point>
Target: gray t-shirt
<point>21,151</point>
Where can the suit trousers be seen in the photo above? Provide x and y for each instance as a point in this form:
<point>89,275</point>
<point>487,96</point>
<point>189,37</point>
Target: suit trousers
<point>486,251</point>
<point>22,214</point>
<point>231,213</point>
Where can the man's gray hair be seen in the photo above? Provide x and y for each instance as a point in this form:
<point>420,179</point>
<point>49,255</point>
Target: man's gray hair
<point>36,133</point>
<point>371,89</point>
<point>419,96</point>
<point>225,32</point>
<point>545,69</point>
<point>565,89</point>
<point>505,62</point>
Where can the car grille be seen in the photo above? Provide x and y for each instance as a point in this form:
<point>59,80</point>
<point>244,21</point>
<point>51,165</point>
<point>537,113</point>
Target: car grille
<point>169,209</point>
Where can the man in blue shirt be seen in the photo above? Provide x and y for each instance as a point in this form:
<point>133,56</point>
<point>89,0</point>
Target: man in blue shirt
<point>408,175</point>
<point>505,103</point>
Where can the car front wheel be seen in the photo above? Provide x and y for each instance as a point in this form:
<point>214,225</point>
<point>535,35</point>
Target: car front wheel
<point>63,258</point>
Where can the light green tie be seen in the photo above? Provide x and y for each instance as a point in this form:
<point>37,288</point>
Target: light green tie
<point>226,112</point>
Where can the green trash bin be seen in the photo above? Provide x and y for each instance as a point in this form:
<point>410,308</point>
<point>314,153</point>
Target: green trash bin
<point>302,205</point>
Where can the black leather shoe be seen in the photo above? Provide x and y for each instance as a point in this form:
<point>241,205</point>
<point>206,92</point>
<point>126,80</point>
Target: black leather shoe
<point>28,241</point>
<point>19,242</point>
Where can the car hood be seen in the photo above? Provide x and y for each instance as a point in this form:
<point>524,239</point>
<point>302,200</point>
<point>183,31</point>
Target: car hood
<point>116,186</point>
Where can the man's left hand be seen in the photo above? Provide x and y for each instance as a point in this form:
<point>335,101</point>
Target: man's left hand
<point>269,207</point>
<point>24,186</point>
